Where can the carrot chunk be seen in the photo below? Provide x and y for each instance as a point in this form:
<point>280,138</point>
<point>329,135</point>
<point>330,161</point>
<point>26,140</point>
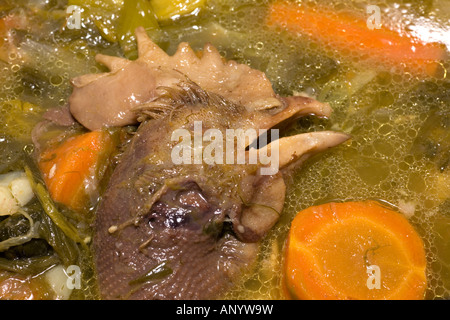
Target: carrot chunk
<point>72,170</point>
<point>349,33</point>
<point>354,250</point>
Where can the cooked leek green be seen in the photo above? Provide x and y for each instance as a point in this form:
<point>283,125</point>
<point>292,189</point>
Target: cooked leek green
<point>51,210</point>
<point>134,14</point>
<point>169,9</point>
<point>30,265</point>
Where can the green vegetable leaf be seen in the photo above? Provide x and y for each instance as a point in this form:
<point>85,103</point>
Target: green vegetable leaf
<point>170,9</point>
<point>134,14</point>
<point>51,210</point>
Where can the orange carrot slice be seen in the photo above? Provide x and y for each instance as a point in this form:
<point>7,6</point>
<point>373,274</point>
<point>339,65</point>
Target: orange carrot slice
<point>348,33</point>
<point>354,250</point>
<point>71,170</point>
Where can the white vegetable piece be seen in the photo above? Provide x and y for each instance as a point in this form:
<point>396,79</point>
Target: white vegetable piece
<point>15,192</point>
<point>8,205</point>
<point>21,190</point>
<point>57,279</point>
<point>7,178</point>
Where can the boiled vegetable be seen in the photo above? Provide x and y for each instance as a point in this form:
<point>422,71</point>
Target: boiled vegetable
<point>350,33</point>
<point>15,192</point>
<point>169,9</point>
<point>354,250</point>
<point>73,169</point>
<point>57,278</point>
<point>22,238</point>
<point>134,14</point>
<point>102,14</point>
<point>117,20</point>
<point>107,5</point>
<point>52,212</point>
<point>29,266</point>
<point>24,234</point>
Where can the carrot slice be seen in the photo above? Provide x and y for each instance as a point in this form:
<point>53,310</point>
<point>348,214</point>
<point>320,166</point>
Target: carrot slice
<point>348,33</point>
<point>354,250</point>
<point>72,170</point>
